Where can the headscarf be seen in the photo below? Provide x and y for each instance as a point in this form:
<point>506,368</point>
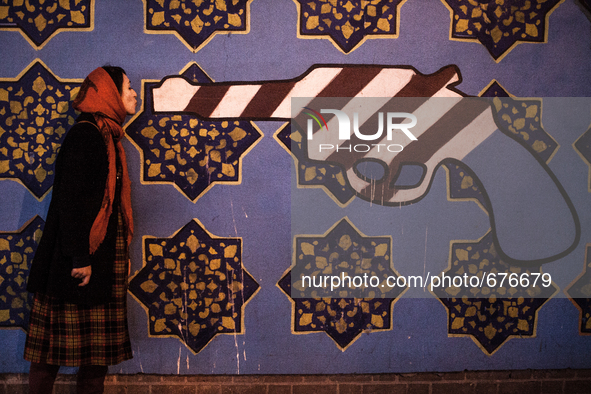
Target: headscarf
<point>99,96</point>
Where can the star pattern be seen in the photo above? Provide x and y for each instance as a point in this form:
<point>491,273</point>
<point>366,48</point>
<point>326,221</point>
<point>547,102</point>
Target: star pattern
<point>348,23</point>
<point>35,113</point>
<point>499,25</point>
<point>504,306</point>
<point>521,120</point>
<point>39,21</point>
<point>492,315</point>
<point>180,149</point>
<point>193,286</point>
<point>196,22</point>
<point>342,316</point>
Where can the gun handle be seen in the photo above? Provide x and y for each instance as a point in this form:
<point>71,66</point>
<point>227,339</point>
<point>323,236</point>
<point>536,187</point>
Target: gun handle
<point>532,218</point>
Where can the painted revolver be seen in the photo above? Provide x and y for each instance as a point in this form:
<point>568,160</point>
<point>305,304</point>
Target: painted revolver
<point>427,123</point>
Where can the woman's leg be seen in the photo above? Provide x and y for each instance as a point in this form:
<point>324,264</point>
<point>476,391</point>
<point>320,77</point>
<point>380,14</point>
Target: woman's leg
<point>41,378</point>
<point>91,379</point>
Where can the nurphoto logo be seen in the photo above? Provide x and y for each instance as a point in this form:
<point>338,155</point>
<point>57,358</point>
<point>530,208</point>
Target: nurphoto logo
<point>395,121</point>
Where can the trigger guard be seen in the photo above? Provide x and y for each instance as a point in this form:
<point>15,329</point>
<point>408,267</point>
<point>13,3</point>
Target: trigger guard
<point>365,178</point>
<point>414,185</point>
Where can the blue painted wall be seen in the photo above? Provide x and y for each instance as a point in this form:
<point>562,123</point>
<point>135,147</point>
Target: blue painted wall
<point>259,208</point>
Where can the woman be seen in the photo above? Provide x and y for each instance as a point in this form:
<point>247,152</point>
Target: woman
<point>79,273</point>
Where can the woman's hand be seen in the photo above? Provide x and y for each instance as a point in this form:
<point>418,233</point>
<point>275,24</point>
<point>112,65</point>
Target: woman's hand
<point>83,274</point>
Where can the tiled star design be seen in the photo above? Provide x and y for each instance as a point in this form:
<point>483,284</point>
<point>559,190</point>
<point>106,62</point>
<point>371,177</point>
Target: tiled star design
<point>504,306</point>
<point>35,113</point>
<point>348,23</point>
<point>343,318</point>
<point>193,286</point>
<point>492,315</point>
<point>314,173</point>
<point>521,120</point>
<point>40,20</point>
<point>583,147</point>
<point>499,26</point>
<point>196,22</point>
<point>580,293</point>
<point>180,149</point>
<point>16,252</point>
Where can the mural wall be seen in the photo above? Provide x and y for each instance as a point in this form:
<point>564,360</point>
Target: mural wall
<point>234,201</point>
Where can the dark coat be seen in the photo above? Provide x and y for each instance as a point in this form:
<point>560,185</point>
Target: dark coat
<point>80,176</point>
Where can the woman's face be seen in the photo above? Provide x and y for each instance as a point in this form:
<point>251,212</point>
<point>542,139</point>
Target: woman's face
<point>128,96</point>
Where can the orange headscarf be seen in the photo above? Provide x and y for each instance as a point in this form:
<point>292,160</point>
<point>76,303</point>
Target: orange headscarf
<point>99,96</point>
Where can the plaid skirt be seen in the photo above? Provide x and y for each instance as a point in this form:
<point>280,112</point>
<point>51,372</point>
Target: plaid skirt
<point>62,333</point>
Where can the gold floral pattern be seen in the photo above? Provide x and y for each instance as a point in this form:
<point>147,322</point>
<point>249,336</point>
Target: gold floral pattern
<point>196,22</point>
<point>348,23</point>
<point>499,25</point>
<point>40,20</point>
<point>181,149</point>
<point>35,113</point>
<point>522,119</point>
<point>503,304</point>
<point>193,286</point>
<point>341,315</point>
